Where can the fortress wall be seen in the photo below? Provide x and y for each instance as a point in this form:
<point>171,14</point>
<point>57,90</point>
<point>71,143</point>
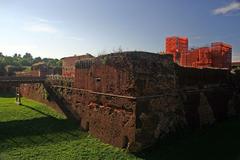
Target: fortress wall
<point>38,93</point>
<point>109,118</point>
<point>133,102</point>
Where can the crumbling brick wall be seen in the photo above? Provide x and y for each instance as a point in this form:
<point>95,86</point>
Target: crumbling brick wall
<point>110,118</point>
<point>125,98</point>
<point>37,92</point>
<point>157,117</point>
<point>68,64</point>
<point>130,74</point>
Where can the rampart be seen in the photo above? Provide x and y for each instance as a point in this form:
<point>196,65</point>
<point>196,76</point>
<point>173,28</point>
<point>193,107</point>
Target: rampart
<point>133,99</point>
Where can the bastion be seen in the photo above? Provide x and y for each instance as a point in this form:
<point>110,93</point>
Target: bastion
<point>134,99</point>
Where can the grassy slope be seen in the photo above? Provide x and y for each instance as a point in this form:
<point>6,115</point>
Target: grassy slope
<point>34,131</point>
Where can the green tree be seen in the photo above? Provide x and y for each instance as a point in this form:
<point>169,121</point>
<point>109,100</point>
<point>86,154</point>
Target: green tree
<point>37,59</point>
<point>21,62</point>
<point>27,59</point>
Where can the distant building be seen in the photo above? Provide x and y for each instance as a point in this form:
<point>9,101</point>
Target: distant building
<point>176,46</point>
<point>218,55</point>
<point>68,64</point>
<point>39,69</point>
<point>11,70</point>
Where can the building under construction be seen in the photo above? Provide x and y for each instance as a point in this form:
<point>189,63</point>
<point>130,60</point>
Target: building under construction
<point>217,55</point>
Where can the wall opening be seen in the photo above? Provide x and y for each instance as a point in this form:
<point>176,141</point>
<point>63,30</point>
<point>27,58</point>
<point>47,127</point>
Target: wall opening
<point>98,79</point>
<point>125,142</point>
<point>80,122</point>
<point>87,126</point>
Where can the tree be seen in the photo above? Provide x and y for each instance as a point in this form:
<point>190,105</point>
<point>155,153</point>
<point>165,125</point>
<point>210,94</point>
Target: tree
<point>27,59</point>
<point>37,59</point>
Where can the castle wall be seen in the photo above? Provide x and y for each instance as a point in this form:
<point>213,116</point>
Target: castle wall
<point>109,118</point>
<point>133,100</point>
<point>37,92</point>
<point>103,78</point>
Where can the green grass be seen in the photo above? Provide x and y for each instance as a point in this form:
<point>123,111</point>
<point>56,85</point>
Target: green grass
<point>35,131</point>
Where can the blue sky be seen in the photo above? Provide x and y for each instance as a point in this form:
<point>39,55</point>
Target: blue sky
<point>58,28</point>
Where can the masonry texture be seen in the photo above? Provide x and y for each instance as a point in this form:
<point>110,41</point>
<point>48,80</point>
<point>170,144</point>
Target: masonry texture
<point>134,99</point>
<point>217,55</point>
<point>68,64</point>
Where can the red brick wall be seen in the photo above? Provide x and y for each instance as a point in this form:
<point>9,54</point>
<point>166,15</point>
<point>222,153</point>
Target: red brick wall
<point>102,78</point>
<point>68,64</point>
<point>219,55</point>
<point>128,75</point>
<point>176,46</point>
<point>38,93</point>
<point>28,74</point>
<point>109,118</point>
<point>153,97</point>
<point>222,55</point>
<point>197,58</point>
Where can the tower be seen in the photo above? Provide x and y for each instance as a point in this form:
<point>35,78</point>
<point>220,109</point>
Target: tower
<point>177,46</point>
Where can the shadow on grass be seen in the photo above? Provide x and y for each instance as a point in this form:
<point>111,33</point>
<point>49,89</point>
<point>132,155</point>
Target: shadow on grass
<point>221,142</point>
<point>38,131</point>
<point>34,109</point>
<point>7,95</point>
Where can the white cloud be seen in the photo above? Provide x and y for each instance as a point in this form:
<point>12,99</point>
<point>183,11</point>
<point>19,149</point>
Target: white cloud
<point>233,6</point>
<point>40,25</point>
<point>75,38</point>
<point>42,20</point>
<point>39,19</point>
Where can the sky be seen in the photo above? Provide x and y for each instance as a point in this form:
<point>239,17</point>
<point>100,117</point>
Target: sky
<point>60,28</point>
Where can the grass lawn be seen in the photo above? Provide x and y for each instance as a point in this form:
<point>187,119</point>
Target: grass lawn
<point>34,131</point>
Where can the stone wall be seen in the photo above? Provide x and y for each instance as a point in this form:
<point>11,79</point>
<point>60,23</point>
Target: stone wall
<point>107,117</point>
<point>127,73</point>
<point>187,77</point>
<point>157,117</point>
<point>110,118</point>
<point>38,92</point>
<point>132,100</point>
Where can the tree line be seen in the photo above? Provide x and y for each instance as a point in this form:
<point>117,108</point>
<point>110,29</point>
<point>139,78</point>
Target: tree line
<point>17,62</point>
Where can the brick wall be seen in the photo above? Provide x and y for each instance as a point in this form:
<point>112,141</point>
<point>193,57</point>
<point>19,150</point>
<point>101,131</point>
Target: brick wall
<point>131,74</point>
<point>125,98</point>
<point>68,64</point>
<point>218,55</point>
